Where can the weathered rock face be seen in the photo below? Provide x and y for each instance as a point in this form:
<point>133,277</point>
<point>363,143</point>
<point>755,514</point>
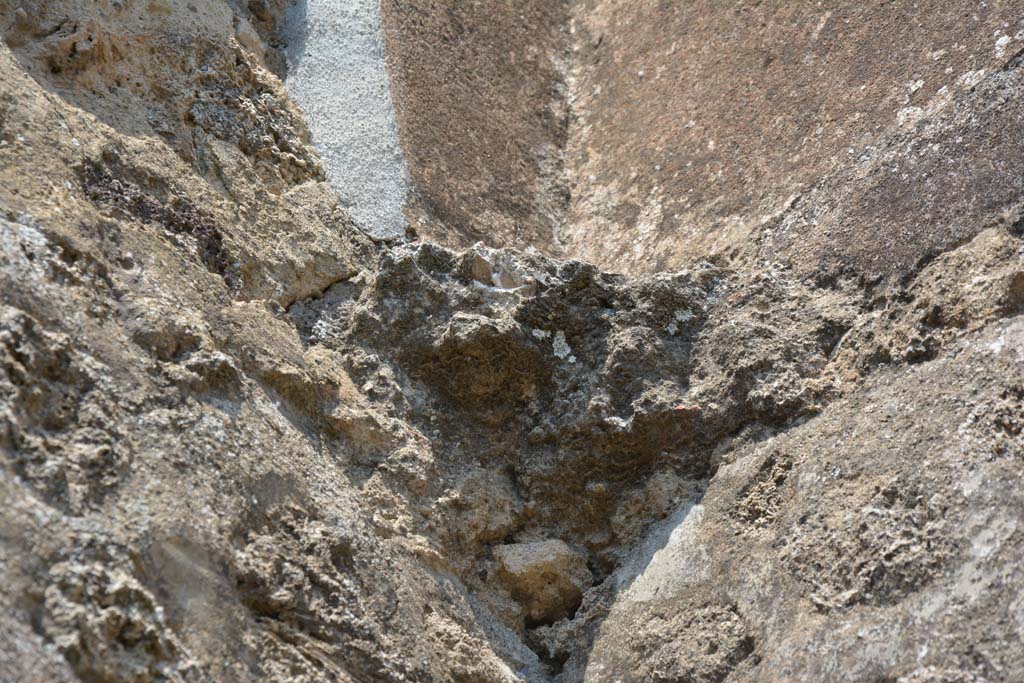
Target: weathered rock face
<point>240,440</point>
<point>841,141</point>
<point>479,90</point>
<point>546,577</point>
<point>771,110</point>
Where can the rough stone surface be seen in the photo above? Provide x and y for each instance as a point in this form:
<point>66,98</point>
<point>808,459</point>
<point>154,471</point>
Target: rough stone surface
<point>479,90</point>
<point>241,441</point>
<point>758,102</point>
<point>546,577</point>
<point>647,136</point>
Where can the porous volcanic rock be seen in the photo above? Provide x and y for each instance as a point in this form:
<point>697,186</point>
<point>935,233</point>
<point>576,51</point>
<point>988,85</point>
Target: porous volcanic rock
<point>546,577</point>
<point>242,440</point>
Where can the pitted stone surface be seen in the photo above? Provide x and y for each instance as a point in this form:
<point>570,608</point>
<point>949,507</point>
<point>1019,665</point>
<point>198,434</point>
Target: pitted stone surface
<point>547,577</point>
<point>240,440</point>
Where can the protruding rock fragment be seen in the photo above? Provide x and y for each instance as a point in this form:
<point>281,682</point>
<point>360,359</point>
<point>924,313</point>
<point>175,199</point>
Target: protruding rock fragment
<point>546,577</point>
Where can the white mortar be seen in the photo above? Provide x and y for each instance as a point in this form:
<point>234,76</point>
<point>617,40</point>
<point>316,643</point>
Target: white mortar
<point>337,74</point>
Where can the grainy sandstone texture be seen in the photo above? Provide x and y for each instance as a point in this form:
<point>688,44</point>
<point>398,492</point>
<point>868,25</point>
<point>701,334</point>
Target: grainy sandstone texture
<point>241,440</point>
<point>481,98</point>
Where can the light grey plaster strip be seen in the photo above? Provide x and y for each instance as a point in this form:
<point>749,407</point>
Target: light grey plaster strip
<point>337,74</point>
